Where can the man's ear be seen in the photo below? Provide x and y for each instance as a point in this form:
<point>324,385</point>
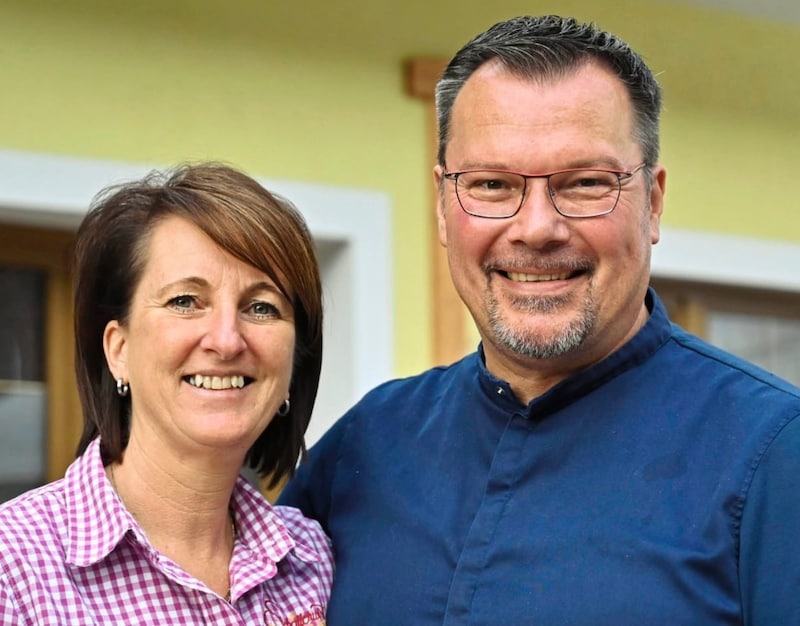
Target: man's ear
<point>657,190</point>
<point>438,171</point>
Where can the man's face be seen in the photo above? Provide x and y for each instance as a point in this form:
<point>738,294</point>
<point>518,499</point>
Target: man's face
<point>546,291</point>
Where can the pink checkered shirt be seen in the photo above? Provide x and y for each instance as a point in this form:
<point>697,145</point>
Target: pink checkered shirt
<point>70,553</point>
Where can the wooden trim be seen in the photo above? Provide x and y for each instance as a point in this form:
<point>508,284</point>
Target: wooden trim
<point>34,247</point>
<point>421,75</point>
<point>448,318</point>
<point>691,314</point>
<point>65,421</point>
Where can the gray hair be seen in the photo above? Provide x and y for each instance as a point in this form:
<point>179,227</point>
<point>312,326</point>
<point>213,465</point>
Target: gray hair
<point>546,48</point>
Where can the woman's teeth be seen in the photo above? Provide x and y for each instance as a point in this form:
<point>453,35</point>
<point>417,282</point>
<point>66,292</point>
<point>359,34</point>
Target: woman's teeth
<point>216,382</point>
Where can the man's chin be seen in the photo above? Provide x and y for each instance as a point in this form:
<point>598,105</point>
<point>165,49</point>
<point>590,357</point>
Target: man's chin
<point>540,339</point>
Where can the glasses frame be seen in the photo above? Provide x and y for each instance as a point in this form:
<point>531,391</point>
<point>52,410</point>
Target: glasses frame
<point>622,175</point>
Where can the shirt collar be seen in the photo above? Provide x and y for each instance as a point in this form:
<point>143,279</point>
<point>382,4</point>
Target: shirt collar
<point>97,521</point>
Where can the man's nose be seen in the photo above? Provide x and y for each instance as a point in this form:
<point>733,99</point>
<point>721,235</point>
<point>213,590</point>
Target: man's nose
<point>537,224</point>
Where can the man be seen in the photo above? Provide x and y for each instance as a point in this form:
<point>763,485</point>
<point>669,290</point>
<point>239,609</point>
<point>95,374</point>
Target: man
<point>591,464</point>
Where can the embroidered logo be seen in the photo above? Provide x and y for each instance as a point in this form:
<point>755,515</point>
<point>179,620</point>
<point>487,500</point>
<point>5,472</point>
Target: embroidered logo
<point>315,616</point>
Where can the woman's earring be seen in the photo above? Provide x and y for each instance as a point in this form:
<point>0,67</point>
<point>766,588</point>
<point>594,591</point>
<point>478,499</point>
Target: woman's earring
<point>283,409</point>
<point>122,388</point>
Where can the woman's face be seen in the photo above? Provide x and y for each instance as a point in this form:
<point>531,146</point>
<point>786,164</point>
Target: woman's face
<point>207,348</point>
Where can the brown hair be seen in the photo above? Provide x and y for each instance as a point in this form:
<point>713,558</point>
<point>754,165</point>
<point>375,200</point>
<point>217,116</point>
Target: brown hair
<point>244,219</point>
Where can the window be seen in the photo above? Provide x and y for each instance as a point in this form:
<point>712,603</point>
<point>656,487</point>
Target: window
<point>38,401</point>
<point>23,391</point>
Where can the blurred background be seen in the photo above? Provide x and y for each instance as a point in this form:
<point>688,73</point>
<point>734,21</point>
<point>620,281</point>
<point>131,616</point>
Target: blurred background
<point>330,104</point>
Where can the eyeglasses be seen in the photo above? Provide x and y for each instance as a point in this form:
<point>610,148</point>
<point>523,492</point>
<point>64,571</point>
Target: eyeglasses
<point>581,192</point>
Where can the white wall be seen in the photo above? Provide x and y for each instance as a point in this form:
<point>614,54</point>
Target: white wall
<point>727,260</point>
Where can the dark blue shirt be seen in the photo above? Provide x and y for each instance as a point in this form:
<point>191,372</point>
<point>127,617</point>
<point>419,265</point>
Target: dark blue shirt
<point>659,486</point>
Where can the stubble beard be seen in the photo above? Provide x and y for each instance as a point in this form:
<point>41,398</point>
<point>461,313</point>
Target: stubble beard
<point>530,343</point>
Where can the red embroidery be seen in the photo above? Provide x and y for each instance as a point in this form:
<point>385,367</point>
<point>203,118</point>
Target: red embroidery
<point>315,616</point>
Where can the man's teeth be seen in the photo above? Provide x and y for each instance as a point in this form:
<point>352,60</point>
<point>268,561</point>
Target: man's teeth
<point>216,382</point>
<point>536,278</point>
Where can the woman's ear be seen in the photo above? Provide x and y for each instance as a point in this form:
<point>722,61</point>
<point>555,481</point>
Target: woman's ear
<point>115,344</point>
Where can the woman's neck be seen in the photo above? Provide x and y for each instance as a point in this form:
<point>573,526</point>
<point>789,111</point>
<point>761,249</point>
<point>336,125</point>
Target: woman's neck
<point>183,508</point>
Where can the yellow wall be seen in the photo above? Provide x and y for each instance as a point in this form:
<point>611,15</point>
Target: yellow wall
<point>312,90</point>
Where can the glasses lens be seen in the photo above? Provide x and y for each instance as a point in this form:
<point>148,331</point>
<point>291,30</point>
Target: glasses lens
<point>585,193</point>
<point>490,194</point>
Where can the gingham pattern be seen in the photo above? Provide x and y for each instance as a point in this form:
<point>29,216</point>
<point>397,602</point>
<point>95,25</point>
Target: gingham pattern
<point>70,553</point>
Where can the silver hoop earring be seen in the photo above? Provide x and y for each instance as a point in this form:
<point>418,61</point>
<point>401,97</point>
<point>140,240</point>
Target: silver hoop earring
<point>122,388</point>
<point>283,409</point>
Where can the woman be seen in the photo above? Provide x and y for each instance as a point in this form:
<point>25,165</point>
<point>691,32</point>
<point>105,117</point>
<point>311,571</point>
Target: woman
<point>198,324</point>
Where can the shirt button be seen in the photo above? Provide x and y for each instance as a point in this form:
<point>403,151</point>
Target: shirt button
<point>501,391</point>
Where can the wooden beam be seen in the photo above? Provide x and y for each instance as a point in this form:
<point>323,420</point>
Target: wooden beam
<point>421,75</point>
<point>447,310</point>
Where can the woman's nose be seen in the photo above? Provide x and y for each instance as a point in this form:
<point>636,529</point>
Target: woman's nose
<point>224,334</point>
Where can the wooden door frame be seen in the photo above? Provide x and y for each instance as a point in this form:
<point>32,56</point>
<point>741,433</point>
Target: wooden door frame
<point>448,316</point>
<point>50,252</point>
